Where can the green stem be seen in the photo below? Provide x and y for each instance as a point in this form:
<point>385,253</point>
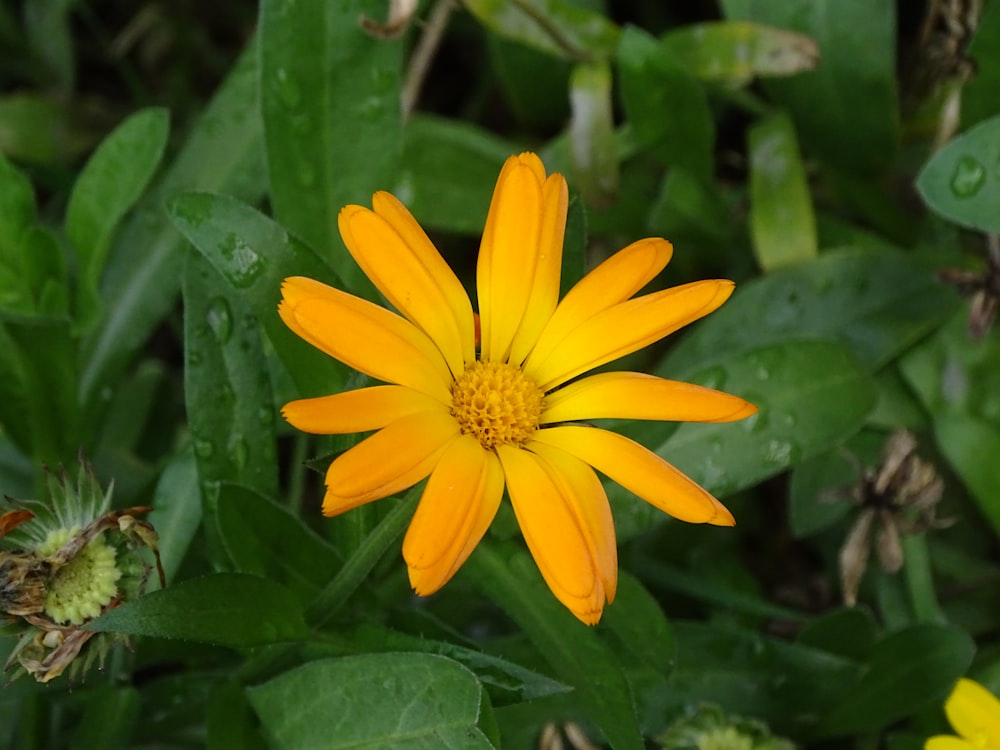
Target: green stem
<point>357,567</point>
<point>920,580</point>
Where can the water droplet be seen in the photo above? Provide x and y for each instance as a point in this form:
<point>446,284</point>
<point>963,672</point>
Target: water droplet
<point>204,448</point>
<point>194,359</point>
<point>780,452</point>
<point>954,382</point>
<point>288,89</point>
<point>219,319</point>
<point>372,108</point>
<point>968,177</point>
<point>239,451</point>
<point>756,423</point>
<point>243,264</point>
<point>265,415</point>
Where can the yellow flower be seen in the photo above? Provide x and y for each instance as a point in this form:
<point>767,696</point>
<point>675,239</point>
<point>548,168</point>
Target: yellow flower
<point>974,712</point>
<point>508,414</point>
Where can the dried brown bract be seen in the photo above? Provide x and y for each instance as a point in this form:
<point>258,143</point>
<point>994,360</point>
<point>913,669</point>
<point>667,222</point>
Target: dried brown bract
<point>983,287</point>
<point>900,496</point>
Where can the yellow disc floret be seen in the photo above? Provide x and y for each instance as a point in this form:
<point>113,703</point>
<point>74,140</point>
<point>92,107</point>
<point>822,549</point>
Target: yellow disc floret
<point>81,588</point>
<point>496,404</point>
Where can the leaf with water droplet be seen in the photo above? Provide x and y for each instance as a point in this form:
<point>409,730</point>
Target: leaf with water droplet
<point>819,388</point>
<point>961,182</point>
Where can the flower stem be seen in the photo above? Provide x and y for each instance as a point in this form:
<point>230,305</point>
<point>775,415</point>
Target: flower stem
<point>357,567</point>
<point>919,579</point>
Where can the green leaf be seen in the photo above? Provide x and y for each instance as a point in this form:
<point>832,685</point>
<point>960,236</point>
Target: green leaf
<point>448,171</point>
<point>908,669</point>
<point>848,632</point>
<point>958,381</point>
<point>666,107</point>
<point>592,145</point>
<point>811,395</point>
<point>507,575</point>
<point>399,700</point>
<point>108,186</point>
<point>229,719</point>
<point>979,99</point>
<point>961,182</point>
<point>143,273</point>
<point>782,223</point>
<point>176,512</point>
<point>268,540</point>
<point>734,52</point>
<point>878,303</point>
<point>227,388</point>
<point>640,626</point>
<point>17,208</point>
<point>44,129</point>
<point>506,681</point>
<point>226,609</point>
<point>557,27</point>
<point>846,110</point>
<point>254,254</point>
<point>110,715</point>
<point>330,101</point>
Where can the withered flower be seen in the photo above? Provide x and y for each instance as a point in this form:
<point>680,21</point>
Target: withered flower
<point>900,496</point>
<point>983,287</point>
<point>63,563</point>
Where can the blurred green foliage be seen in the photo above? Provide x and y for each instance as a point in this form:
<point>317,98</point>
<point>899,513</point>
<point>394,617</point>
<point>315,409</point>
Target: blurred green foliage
<point>164,166</point>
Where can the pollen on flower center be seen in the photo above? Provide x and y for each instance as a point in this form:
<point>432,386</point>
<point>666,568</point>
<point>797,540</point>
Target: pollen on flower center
<point>81,589</point>
<point>495,403</point>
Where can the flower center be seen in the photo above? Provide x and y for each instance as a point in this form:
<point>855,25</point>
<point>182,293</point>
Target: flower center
<point>81,588</point>
<point>496,404</point>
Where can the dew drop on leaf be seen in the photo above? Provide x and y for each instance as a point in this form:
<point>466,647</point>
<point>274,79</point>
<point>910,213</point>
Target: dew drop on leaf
<point>219,319</point>
<point>968,177</point>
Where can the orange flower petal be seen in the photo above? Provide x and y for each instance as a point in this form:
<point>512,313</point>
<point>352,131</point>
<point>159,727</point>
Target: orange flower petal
<point>459,503</point>
<point>364,336</point>
<point>640,471</point>
<point>589,502</point>
<point>623,329</point>
<point>394,458</point>
<point>396,254</point>
<point>359,410</point>
<point>508,253</point>
<point>612,282</point>
<point>558,537</point>
<point>544,294</point>
<point>635,395</point>
<point>974,712</point>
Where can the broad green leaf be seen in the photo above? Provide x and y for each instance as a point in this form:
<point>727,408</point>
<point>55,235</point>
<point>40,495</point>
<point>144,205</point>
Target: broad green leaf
<point>782,223</point>
<point>506,681</point>
<point>574,261</point>
<point>822,488</point>
<point>226,609</point>
<point>15,412</point>
<point>227,388</point>
<point>17,209</point>
<point>268,540</point>
<point>879,303</point>
<point>785,684</point>
<point>558,27</point>
<point>254,254</point>
<point>848,632</point>
<point>332,118</point>
<point>448,171</point>
<point>49,34</point>
<point>176,512</point>
<point>961,182</point>
<point>734,52</point>
<point>533,83</point>
<point>971,445</point>
<point>910,668</point>
<point>592,145</point>
<point>958,381</point>
<point>400,700</point>
<point>640,626</point>
<point>666,107</point>
<point>846,110</point>
<point>142,277</point>
<point>811,395</point>
<point>692,212</point>
<point>108,186</point>
<point>578,656</point>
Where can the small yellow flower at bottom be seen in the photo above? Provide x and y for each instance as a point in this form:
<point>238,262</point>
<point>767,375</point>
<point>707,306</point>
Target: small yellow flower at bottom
<point>504,406</point>
<point>974,713</point>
